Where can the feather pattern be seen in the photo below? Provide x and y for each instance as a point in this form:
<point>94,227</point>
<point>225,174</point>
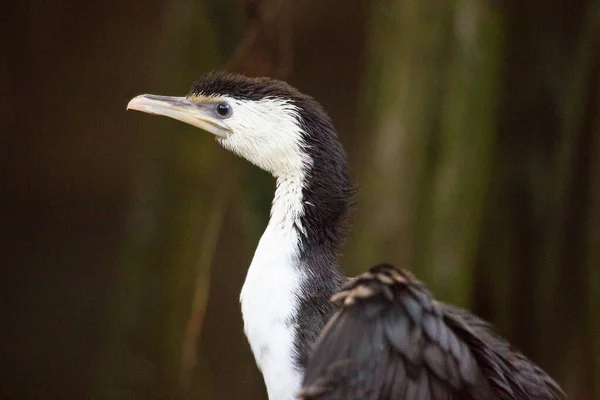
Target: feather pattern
<point>391,340</point>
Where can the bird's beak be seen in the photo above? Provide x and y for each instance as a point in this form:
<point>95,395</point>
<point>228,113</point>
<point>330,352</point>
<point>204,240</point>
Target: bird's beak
<point>198,114</point>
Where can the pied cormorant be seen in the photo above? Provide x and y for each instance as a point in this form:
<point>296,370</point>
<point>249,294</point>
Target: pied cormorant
<point>387,338</point>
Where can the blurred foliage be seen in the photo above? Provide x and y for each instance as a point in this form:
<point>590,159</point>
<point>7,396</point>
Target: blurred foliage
<point>472,128</point>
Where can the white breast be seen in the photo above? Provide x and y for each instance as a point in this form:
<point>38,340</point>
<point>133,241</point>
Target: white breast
<point>269,302</point>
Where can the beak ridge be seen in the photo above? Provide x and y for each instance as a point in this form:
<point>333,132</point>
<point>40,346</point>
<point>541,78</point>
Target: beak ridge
<point>182,109</point>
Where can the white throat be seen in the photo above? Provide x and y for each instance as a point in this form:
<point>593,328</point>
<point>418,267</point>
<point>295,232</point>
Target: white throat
<point>271,291</point>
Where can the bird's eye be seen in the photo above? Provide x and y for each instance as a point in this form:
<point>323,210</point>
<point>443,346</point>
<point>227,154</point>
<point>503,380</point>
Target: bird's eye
<point>223,110</point>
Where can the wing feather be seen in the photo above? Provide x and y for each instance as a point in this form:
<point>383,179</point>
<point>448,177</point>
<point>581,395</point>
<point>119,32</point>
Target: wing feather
<point>390,339</point>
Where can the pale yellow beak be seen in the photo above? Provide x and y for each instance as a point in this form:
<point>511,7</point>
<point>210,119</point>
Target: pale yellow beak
<point>198,114</point>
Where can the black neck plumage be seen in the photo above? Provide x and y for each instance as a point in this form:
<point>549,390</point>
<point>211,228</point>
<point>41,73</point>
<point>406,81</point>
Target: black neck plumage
<point>327,193</point>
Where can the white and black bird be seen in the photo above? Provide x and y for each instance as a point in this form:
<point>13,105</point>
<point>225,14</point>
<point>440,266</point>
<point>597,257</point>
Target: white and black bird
<point>388,338</point>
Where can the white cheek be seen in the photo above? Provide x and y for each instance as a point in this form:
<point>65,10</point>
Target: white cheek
<point>268,134</point>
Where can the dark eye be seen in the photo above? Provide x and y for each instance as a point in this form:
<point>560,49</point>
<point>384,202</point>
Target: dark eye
<point>223,110</point>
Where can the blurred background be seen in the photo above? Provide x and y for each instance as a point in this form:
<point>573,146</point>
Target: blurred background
<point>473,129</point>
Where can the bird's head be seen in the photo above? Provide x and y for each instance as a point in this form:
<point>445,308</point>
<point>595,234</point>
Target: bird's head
<point>263,120</point>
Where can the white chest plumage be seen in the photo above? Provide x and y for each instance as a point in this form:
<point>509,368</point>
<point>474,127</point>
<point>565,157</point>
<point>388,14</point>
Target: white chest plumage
<point>270,294</point>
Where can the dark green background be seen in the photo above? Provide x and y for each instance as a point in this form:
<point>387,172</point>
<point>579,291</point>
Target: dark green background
<point>473,129</point>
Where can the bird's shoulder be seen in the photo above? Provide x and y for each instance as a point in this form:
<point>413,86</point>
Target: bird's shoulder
<point>389,339</point>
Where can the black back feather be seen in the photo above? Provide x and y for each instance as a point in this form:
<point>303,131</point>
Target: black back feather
<point>391,340</point>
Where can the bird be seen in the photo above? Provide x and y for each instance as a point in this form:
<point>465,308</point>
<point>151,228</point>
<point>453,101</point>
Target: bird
<point>314,333</point>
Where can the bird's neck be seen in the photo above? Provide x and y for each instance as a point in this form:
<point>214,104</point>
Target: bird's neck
<point>314,211</point>
<point>285,298</point>
<point>288,205</point>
